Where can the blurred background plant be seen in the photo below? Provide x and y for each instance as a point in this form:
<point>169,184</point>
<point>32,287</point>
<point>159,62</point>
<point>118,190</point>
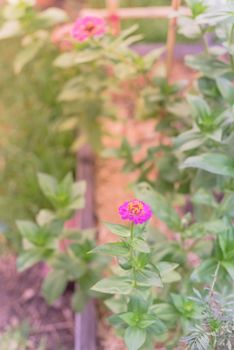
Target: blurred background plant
<point>18,338</point>
<point>63,249</point>
<point>153,32</point>
<point>71,101</point>
<point>29,111</point>
<point>94,71</point>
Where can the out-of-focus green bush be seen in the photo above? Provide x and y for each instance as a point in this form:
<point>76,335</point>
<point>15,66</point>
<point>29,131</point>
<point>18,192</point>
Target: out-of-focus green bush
<point>29,112</point>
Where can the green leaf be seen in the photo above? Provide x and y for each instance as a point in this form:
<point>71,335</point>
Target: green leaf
<point>130,318</point>
<point>165,312</point>
<point>141,246</point>
<point>149,278</point>
<point>200,108</point>
<point>65,60</point>
<point>157,327</point>
<point>116,305</point>
<point>138,304</point>
<point>170,277</point>
<point>28,229</point>
<point>229,267</point>
<point>128,31</point>
<point>159,205</point>
<point>33,233</point>
<point>27,54</point>
<point>227,206</point>
<point>48,184</point>
<point>207,64</point>
<point>222,13</point>
<point>78,203</point>
<point>205,198</point>
<point>205,271</point>
<point>79,300</point>
<point>226,89</point>
<point>73,266</point>
<point>152,56</point>
<point>117,229</point>
<point>54,285</point>
<point>178,302</point>
<point>188,27</point>
<point>165,267</point>
<point>10,29</point>
<point>28,258</point>
<point>134,338</point>
<point>116,249</point>
<point>70,59</point>
<point>66,184</point>
<point>44,217</point>
<point>200,229</point>
<point>79,188</point>
<point>214,163</point>
<point>147,321</point>
<point>53,16</point>
<point>114,285</point>
<point>188,140</point>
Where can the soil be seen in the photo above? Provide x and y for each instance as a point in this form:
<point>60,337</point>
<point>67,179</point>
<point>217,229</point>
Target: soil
<point>21,301</point>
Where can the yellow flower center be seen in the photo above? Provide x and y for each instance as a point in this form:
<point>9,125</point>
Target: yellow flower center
<point>135,207</point>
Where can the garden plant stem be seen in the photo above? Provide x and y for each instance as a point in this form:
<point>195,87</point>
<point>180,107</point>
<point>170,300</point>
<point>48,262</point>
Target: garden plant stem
<point>132,255</point>
<point>230,43</point>
<point>204,41</point>
<point>214,280</point>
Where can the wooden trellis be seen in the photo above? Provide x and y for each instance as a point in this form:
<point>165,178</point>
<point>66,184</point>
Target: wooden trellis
<point>114,13</point>
<point>85,326</point>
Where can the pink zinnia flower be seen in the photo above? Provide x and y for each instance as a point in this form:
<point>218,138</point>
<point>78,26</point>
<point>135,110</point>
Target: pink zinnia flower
<point>87,27</point>
<point>136,211</point>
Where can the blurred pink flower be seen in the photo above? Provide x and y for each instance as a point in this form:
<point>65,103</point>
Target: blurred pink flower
<point>87,27</point>
<point>193,259</point>
<point>136,211</point>
<point>61,36</point>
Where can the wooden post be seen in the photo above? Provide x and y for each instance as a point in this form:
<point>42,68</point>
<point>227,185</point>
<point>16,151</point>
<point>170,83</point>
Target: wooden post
<point>171,38</point>
<point>113,16</point>
<point>85,322</point>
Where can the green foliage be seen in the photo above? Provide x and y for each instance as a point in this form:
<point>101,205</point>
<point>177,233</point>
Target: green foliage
<point>93,71</point>
<point>135,282</point>
<point>215,322</point>
<point>149,292</point>
<point>212,158</point>
<point>64,251</point>
<point>192,194</point>
<point>29,111</point>
<point>161,102</point>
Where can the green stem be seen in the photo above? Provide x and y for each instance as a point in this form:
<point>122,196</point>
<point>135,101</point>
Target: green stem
<point>230,42</point>
<point>214,280</point>
<point>213,343</point>
<point>132,231</point>
<point>132,254</point>
<point>204,41</point>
